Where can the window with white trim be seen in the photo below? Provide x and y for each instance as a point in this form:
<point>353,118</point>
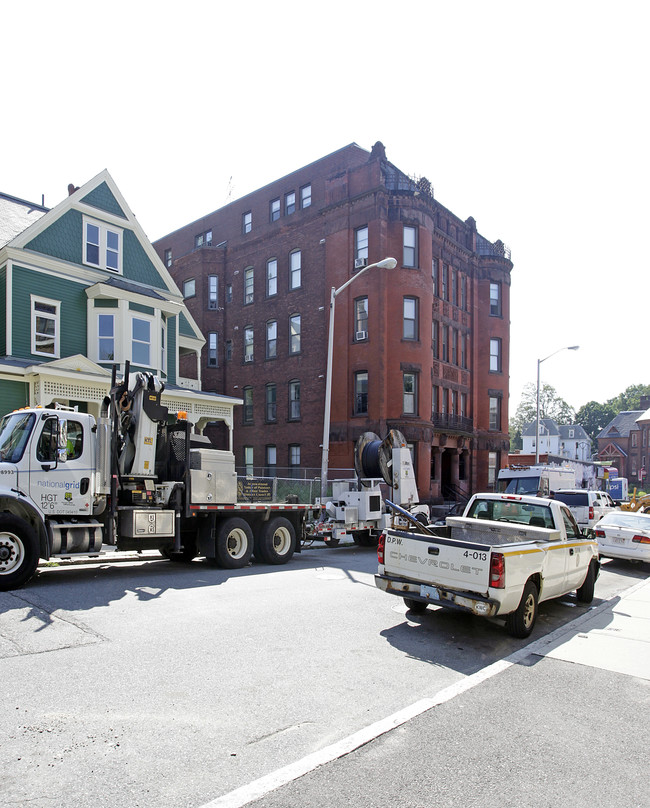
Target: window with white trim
<point>45,318</point>
<point>141,341</point>
<point>271,339</point>
<point>361,244</point>
<point>410,247</point>
<point>102,245</point>
<point>360,319</point>
<point>409,393</point>
<point>295,269</point>
<point>163,346</point>
<point>106,337</point>
<point>213,347</point>
<point>248,285</point>
<point>495,356</point>
<point>294,334</point>
<point>294,400</point>
<point>271,277</point>
<point>213,292</point>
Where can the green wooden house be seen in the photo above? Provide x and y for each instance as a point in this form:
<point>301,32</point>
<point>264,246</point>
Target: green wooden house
<point>81,289</point>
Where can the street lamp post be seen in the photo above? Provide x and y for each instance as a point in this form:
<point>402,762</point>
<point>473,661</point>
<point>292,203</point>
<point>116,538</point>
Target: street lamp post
<point>386,263</point>
<point>539,362</point>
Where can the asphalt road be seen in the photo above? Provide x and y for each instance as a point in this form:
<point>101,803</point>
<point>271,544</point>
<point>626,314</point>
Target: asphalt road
<point>151,683</point>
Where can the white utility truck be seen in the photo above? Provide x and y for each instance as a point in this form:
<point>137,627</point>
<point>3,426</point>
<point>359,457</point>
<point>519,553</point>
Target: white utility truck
<point>505,555</point>
<point>540,480</point>
<point>356,509</point>
<point>69,484</point>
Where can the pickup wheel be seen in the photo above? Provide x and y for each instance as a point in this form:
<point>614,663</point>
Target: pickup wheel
<point>521,622</point>
<point>18,552</point>
<point>585,593</point>
<point>233,545</point>
<point>277,542</point>
<point>415,606</point>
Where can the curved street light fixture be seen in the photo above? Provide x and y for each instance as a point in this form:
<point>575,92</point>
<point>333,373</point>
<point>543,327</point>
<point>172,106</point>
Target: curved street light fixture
<point>386,263</point>
<point>539,362</point>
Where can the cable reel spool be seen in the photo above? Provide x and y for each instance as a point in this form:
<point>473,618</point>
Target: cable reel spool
<point>373,457</point>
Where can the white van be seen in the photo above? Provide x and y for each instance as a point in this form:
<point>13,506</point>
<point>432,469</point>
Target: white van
<point>534,480</point>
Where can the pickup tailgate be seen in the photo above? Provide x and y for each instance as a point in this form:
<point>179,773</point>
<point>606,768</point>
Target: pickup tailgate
<point>436,560</point>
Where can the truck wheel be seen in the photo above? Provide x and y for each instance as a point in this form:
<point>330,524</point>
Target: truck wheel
<point>187,553</point>
<point>277,542</point>
<point>415,606</point>
<point>364,538</point>
<point>18,552</point>
<point>585,593</point>
<point>233,545</point>
<point>521,622</point>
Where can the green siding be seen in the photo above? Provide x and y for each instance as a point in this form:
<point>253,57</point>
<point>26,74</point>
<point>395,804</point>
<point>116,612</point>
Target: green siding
<point>101,197</point>
<point>62,239</point>
<point>141,309</point>
<point>13,395</point>
<point>3,311</point>
<point>171,350</point>
<point>136,264</point>
<point>184,326</point>
<point>73,319</point>
<point>103,303</point>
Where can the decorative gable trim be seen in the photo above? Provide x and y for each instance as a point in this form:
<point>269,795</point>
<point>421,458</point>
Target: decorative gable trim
<point>78,201</point>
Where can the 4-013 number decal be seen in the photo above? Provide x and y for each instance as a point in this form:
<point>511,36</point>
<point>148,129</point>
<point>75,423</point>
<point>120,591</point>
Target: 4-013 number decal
<point>476,555</point>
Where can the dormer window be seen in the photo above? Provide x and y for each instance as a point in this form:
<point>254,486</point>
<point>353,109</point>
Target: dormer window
<point>102,245</point>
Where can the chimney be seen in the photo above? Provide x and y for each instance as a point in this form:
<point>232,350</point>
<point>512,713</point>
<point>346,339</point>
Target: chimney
<point>72,189</point>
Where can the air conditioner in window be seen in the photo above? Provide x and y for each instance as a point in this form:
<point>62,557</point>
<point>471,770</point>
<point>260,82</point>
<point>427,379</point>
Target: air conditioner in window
<point>361,335</point>
<point>360,263</point>
<point>248,358</point>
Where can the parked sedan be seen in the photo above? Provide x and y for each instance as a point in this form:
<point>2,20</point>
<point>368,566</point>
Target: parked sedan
<point>622,534</point>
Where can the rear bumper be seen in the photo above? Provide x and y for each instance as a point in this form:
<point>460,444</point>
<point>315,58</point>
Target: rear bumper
<point>470,602</point>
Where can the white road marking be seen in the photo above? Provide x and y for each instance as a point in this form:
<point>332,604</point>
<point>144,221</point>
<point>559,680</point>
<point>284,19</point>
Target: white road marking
<point>270,782</point>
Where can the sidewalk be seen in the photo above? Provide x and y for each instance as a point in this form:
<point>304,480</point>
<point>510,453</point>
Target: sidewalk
<point>563,721</point>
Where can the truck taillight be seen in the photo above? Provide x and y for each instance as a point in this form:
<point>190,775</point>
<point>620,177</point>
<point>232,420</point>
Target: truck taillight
<point>497,571</point>
<point>381,544</point>
<point>641,539</point>
<point>591,511</point>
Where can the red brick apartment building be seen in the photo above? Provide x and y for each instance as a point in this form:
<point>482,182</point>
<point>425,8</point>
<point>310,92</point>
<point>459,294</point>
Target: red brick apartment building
<point>423,348</point>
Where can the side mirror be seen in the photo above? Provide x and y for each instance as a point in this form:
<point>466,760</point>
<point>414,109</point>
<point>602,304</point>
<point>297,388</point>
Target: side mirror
<point>61,440</point>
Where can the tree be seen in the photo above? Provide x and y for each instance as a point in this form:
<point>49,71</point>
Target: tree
<point>630,399</point>
<point>594,417</point>
<point>551,405</point>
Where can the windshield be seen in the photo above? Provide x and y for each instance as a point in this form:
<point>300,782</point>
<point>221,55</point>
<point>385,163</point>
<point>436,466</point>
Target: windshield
<point>519,485</point>
<point>573,499</point>
<point>14,433</point>
<point>507,511</point>
<point>637,521</point>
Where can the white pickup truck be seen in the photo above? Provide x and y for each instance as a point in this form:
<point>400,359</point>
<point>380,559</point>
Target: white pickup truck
<point>500,559</point>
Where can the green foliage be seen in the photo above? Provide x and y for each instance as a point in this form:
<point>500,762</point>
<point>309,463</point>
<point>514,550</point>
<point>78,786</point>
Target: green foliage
<point>594,417</point>
<point>630,398</point>
<point>551,405</point>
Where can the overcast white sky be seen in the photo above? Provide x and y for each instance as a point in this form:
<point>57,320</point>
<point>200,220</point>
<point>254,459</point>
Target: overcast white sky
<point>530,117</point>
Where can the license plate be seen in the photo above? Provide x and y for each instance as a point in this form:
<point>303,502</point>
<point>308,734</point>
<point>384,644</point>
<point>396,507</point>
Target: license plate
<point>429,592</point>
<point>618,540</point>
